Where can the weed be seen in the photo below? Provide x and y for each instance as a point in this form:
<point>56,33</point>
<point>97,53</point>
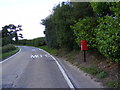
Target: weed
<point>102,74</point>
<point>69,57</point>
<point>90,70</point>
<point>112,84</point>
<point>94,71</point>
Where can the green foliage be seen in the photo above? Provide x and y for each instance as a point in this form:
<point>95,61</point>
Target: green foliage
<point>83,30</point>
<point>101,8</point>
<point>113,84</point>
<point>9,32</point>
<point>94,71</point>
<point>33,42</point>
<point>101,32</point>
<point>106,8</point>
<point>98,23</point>
<point>108,37</point>
<point>50,50</point>
<point>57,25</point>
<point>39,41</point>
<point>102,75</point>
<point>58,32</point>
<point>8,48</point>
<point>90,70</point>
<point>5,41</point>
<point>81,10</point>
<point>50,32</point>
<point>7,54</point>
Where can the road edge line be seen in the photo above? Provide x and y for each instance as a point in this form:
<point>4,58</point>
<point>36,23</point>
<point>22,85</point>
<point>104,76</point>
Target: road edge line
<point>62,71</point>
<point>10,56</point>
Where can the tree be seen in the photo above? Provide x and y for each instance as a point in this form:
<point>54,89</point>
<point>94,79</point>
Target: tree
<point>64,15</point>
<point>57,25</point>
<point>13,31</point>
<point>82,10</point>
<point>106,8</point>
<point>50,32</point>
<point>9,32</point>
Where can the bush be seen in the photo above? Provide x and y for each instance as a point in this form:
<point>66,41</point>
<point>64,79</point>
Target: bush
<point>33,42</point>
<point>102,75</point>
<point>8,48</point>
<point>6,41</point>
<point>108,37</point>
<point>83,30</point>
<point>102,33</point>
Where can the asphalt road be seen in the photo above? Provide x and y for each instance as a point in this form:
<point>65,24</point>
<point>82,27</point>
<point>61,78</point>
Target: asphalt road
<point>34,68</point>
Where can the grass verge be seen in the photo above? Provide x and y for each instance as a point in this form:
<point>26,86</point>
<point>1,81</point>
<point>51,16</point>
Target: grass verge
<point>113,84</point>
<point>8,54</point>
<point>95,72</point>
<point>50,50</point>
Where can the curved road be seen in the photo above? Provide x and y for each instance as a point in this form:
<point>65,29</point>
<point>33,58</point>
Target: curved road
<point>34,68</point>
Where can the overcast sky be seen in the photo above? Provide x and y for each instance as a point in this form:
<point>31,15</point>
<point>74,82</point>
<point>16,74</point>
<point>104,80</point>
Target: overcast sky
<point>27,13</point>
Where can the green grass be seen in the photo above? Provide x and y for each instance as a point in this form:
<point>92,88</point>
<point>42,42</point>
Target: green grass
<point>8,54</point>
<point>90,70</point>
<point>112,84</point>
<point>101,75</point>
<point>50,50</point>
<point>70,57</point>
<point>95,72</point>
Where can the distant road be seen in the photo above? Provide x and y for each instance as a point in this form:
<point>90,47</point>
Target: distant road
<point>35,68</point>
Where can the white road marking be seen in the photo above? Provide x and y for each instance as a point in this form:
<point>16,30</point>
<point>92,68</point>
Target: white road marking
<point>41,56</point>
<point>62,71</point>
<point>46,55</point>
<point>10,57</point>
<point>34,56</point>
<point>33,49</point>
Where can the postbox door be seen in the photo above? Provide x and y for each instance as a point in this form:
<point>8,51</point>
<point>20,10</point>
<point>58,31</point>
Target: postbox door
<point>84,45</point>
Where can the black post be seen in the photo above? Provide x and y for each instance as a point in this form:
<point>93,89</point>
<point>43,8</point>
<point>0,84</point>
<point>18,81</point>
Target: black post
<point>84,56</point>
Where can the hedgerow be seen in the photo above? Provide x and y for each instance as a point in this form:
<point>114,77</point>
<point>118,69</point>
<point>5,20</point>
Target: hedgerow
<point>108,37</point>
<point>8,48</point>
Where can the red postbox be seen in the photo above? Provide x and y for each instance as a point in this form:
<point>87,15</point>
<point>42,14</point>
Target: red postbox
<point>84,45</point>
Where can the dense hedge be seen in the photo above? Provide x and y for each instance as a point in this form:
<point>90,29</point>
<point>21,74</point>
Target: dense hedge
<point>8,48</point>
<point>108,37</point>
<point>102,33</point>
<point>33,42</point>
<point>84,30</point>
